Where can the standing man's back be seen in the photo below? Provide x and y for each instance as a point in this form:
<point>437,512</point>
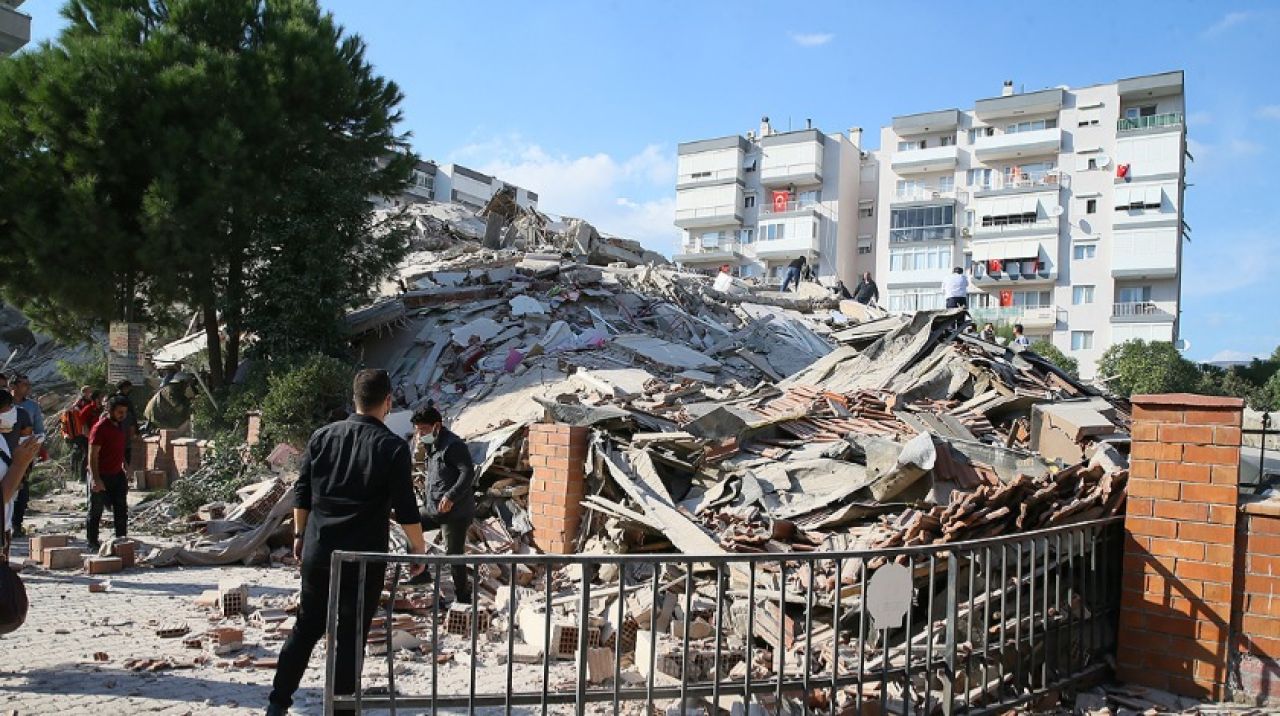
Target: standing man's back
<point>354,473</point>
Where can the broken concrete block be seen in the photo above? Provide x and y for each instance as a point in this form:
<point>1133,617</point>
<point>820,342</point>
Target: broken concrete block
<point>103,565</point>
<point>698,628</point>
<point>523,305</point>
<point>61,558</point>
<point>41,543</point>
<point>233,598</point>
<point>482,328</point>
<point>126,550</point>
<point>600,665</point>
<point>227,640</point>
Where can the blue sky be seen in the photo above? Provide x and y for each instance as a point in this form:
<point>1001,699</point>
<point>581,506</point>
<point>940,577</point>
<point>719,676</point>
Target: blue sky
<point>585,101</point>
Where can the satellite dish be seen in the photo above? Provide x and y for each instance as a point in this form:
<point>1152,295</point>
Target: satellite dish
<point>1103,161</point>
<point>1055,211</point>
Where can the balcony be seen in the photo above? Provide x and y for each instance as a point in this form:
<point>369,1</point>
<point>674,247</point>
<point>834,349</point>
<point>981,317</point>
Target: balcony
<point>15,30</point>
<point>792,158</point>
<point>1018,144</point>
<point>790,248</point>
<point>910,195</point>
<point>1145,254</point>
<point>710,177</point>
<point>719,215</point>
<point>1028,316</point>
<point>798,173</point>
<point>922,233</point>
<point>1024,104</point>
<point>792,208</point>
<point>725,252</point>
<point>1024,181</point>
<point>926,122</point>
<point>1142,312</point>
<point>919,161</point>
<point>1011,272</point>
<point>1155,121</point>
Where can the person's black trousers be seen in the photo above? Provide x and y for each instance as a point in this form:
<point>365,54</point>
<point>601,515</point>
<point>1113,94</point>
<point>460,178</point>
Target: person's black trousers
<point>116,496</point>
<point>310,627</point>
<point>455,529</point>
<point>79,458</point>
<point>957,303</point>
<point>20,505</point>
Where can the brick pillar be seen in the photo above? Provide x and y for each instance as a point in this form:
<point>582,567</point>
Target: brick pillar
<point>1176,605</point>
<point>1257,608</point>
<point>558,455</point>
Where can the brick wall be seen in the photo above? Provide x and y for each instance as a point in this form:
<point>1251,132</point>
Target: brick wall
<point>1257,607</point>
<point>557,454</point>
<point>1176,605</point>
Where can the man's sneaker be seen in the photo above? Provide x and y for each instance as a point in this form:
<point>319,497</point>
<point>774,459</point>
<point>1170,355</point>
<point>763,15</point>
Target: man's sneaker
<point>423,577</point>
<point>94,547</point>
<point>274,710</point>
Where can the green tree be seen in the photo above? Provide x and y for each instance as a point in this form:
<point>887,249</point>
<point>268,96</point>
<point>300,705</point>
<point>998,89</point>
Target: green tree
<point>1050,352</point>
<point>1269,396</point>
<point>1136,367</point>
<point>149,157</point>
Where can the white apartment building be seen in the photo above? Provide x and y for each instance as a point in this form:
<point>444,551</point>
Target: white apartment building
<point>759,201</point>
<point>1063,206</point>
<point>15,27</point>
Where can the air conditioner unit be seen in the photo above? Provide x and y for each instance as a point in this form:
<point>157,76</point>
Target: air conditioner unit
<point>965,232</point>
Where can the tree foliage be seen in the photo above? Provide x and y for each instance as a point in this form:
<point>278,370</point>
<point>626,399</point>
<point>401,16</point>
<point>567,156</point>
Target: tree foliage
<point>1050,352</point>
<point>300,400</point>
<point>1137,367</point>
<point>206,154</point>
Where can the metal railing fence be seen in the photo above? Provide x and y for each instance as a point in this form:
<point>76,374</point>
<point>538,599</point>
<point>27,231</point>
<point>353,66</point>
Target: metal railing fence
<point>989,624</point>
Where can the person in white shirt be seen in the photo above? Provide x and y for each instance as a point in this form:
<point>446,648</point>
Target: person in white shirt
<point>13,463</point>
<point>957,289</point>
<point>1019,339</point>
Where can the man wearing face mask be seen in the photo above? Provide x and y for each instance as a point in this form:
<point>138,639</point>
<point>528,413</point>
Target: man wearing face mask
<point>450,503</point>
<point>13,463</point>
<point>354,474</point>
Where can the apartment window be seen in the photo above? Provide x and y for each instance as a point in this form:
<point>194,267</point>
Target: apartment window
<point>1081,340</point>
<point>1084,252</point>
<point>1133,294</point>
<point>977,132</point>
<point>1032,299</point>
<point>807,198</point>
<point>700,175</point>
<point>947,141</point>
<point>773,232</point>
<point>968,219</point>
<point>979,178</point>
<point>947,183</point>
<point>919,258</point>
<point>914,299</point>
<point>1019,219</point>
<point>922,223</point>
<point>1138,198</point>
<point>710,240</point>
<point>1081,295</point>
<point>1136,112</point>
<point>1092,163</point>
<point>749,200</point>
<point>1090,206</point>
<point>1033,172</point>
<point>866,209</point>
<point>864,245</point>
<point>910,188</point>
<point>746,236</point>
<point>913,144</point>
<point>1031,126</point>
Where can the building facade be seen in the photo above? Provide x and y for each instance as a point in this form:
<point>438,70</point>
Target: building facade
<point>15,27</point>
<point>456,184</point>
<point>758,201</point>
<point>1063,206</point>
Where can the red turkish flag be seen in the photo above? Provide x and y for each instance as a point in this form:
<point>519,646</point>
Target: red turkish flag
<point>780,200</point>
<point>1006,298</point>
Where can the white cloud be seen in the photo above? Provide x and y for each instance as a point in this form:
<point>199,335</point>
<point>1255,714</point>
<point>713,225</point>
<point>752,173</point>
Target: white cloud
<point>1199,119</point>
<point>1227,22</point>
<point>630,197</point>
<point>1228,355</point>
<point>1247,259</point>
<point>812,39</point>
<point>1206,153</point>
<point>1271,111</point>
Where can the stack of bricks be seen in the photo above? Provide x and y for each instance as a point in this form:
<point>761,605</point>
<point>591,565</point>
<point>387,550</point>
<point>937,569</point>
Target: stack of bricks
<point>186,455</point>
<point>1183,489</point>
<point>557,454</point>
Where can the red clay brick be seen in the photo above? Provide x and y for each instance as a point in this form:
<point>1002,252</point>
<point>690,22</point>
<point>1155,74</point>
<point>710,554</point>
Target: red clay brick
<point>1223,514</point>
<point>1157,451</point>
<point>1212,455</point>
<point>1136,544</point>
<point>1191,434</point>
<point>1141,468</point>
<point>1151,527</point>
<point>1215,417</point>
<point>1172,625</point>
<point>1213,494</point>
<point>1194,688</point>
<point>1219,553</point>
<point>1255,625</point>
<point>1262,646</point>
<point>1216,593</point>
<point>1145,432</point>
<point>1264,544</point>
<point>1183,472</point>
<point>1206,533</point>
<point>1205,572</point>
<point>1157,415</point>
<point>1228,437</point>
<point>1160,490</point>
<point>1263,525</point>
<point>1226,475</point>
<point>1263,564</point>
<point>1178,548</point>
<point>1139,506</point>
<point>1179,511</point>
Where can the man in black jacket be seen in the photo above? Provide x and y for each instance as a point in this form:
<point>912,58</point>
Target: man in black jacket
<point>867,291</point>
<point>354,474</point>
<point>450,500</point>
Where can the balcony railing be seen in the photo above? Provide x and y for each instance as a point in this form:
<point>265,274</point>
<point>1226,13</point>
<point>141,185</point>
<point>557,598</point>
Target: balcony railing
<point>775,172</point>
<point>717,175</point>
<point>922,233</point>
<point>1031,316</point>
<point>1011,271</point>
<point>1024,180</point>
<point>767,207</point>
<point>1139,309</point>
<point>924,194</point>
<point>1130,124</point>
<point>707,212</point>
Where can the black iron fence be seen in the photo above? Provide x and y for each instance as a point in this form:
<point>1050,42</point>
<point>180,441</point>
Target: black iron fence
<point>971,627</point>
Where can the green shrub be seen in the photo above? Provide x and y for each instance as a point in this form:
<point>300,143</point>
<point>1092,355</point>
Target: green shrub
<point>92,372</point>
<point>300,400</point>
<point>1050,352</point>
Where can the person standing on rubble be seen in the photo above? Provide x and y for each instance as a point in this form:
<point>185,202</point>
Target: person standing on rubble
<point>794,270</point>
<point>13,463</point>
<point>1020,339</point>
<point>988,332</point>
<point>957,289</point>
<point>450,503</point>
<point>355,473</point>
<point>76,433</point>
<point>867,291</point>
<point>30,422</point>
<point>108,483</point>
<point>130,424</point>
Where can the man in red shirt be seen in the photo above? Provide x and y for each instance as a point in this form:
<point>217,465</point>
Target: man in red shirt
<point>108,483</point>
